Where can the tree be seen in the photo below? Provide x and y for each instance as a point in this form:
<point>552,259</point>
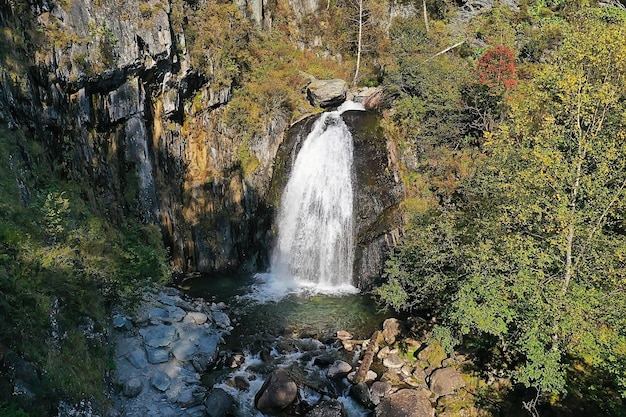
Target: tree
<point>532,253</point>
<point>496,75</point>
<point>359,41</point>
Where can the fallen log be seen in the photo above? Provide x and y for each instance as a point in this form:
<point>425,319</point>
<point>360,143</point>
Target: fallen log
<point>368,357</point>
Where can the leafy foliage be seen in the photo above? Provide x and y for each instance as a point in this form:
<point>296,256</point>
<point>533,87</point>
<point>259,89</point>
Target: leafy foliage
<point>528,251</point>
<point>61,267</point>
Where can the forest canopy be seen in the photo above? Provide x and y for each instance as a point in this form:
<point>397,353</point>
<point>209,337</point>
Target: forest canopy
<point>517,234</point>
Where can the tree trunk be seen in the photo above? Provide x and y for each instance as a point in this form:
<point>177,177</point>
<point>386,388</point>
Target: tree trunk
<point>368,357</point>
<point>359,45</point>
<point>425,16</point>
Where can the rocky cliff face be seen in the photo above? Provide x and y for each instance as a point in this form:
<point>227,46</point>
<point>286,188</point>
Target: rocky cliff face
<point>111,94</point>
<point>108,88</point>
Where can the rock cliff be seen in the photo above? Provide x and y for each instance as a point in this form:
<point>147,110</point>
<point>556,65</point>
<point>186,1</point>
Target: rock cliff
<point>110,93</point>
<point>109,90</point>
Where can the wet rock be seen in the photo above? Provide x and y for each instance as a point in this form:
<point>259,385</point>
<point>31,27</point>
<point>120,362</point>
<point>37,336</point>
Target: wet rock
<point>159,336</point>
<point>405,403</point>
<point>327,93</point>
<point>308,345</point>
<point>380,389</point>
<point>241,383</point>
<point>221,319</point>
<point>160,381</point>
<point>370,376</point>
<point>235,360</point>
<point>133,387</point>
<point>343,335</point>
<point>393,361</point>
<point>391,330</point>
<point>191,396</point>
<point>324,360</point>
<point>184,349</point>
<point>195,317</point>
<point>137,358</point>
<point>265,355</point>
<point>361,393</point>
<point>445,381</point>
<point>330,408</point>
<point>219,403</point>
<point>157,355</point>
<point>277,393</point>
<point>338,369</point>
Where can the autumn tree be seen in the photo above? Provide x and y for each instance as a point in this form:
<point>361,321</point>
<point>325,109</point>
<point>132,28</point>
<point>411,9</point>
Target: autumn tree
<point>496,76</point>
<point>532,253</point>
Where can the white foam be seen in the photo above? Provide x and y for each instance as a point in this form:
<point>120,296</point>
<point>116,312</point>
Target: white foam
<point>270,287</point>
<point>350,105</point>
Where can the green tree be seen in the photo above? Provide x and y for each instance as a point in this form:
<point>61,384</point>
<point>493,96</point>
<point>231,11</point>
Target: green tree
<point>532,253</point>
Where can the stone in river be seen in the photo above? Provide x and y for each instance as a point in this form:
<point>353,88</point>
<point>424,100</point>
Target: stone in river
<point>157,355</point>
<point>159,336</point>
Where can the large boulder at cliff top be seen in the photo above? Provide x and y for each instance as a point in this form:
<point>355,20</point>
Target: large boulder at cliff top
<point>277,393</point>
<point>327,93</point>
<point>405,403</point>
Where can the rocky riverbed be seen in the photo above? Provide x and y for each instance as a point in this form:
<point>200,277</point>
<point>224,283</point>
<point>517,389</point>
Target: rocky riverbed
<point>168,363</point>
<point>161,351</point>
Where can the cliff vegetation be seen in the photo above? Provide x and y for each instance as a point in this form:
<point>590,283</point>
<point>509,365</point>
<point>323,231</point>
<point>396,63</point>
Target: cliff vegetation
<point>138,138</point>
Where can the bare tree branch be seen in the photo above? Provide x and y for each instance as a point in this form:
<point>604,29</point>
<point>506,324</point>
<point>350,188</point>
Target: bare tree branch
<point>444,51</point>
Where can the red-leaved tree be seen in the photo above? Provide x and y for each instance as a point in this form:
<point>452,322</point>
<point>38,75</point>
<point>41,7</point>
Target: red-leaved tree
<point>496,75</point>
<point>496,68</point>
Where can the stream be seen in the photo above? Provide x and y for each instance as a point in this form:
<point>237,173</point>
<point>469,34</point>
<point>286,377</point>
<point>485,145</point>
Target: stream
<point>286,326</point>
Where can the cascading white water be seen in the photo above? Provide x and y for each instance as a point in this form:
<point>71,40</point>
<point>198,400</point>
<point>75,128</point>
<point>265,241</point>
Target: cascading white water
<point>315,245</point>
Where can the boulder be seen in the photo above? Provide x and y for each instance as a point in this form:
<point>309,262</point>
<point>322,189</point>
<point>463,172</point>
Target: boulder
<point>393,361</point>
<point>445,381</point>
<point>121,322</point>
<point>133,387</point>
<point>193,395</point>
<point>157,355</point>
<point>370,376</point>
<point>405,403</point>
<point>278,392</point>
<point>221,320</point>
<point>137,358</point>
<point>343,335</point>
<point>391,330</point>
<point>184,349</point>
<point>361,393</point>
<point>241,383</point>
<point>327,93</point>
<point>338,369</point>
<point>160,381</point>
<point>329,408</point>
<point>195,317</point>
<point>201,361</point>
<point>380,389</point>
<point>219,403</point>
<point>159,336</point>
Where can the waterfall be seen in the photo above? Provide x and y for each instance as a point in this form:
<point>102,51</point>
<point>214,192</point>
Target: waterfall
<point>315,245</point>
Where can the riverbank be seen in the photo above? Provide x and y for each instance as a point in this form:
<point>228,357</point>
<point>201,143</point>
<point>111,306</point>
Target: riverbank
<point>161,351</point>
